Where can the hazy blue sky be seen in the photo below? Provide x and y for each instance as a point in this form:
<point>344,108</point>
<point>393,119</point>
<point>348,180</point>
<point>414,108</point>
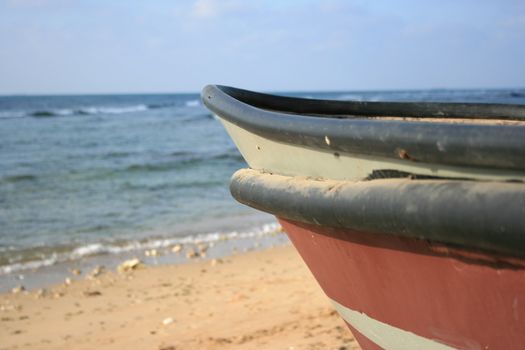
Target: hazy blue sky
<point>75,46</point>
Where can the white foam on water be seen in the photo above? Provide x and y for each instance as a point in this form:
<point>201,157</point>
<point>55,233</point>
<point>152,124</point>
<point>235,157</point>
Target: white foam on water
<point>350,97</point>
<point>12,114</point>
<point>29,265</point>
<point>94,249</point>
<point>113,110</point>
<point>193,103</point>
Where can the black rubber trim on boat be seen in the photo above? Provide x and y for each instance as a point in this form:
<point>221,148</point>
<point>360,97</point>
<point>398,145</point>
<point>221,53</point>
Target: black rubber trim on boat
<point>342,126</point>
<point>487,216</point>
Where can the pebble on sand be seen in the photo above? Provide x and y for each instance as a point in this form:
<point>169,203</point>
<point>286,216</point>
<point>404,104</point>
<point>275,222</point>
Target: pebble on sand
<point>97,271</point>
<point>151,252</point>
<point>18,289</point>
<point>129,265</point>
<point>91,293</point>
<point>176,248</point>
<point>167,321</point>
<point>203,248</point>
<point>190,254</point>
<point>40,293</point>
<point>76,272</point>
<point>214,262</point>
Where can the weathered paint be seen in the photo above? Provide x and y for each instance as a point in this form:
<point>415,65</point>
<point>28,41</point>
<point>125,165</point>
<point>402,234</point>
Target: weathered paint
<point>385,335</point>
<point>459,300</point>
<point>481,215</point>
<point>260,153</point>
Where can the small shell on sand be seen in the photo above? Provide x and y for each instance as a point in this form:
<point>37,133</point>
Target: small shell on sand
<point>167,321</point>
<point>18,289</point>
<point>151,252</point>
<point>40,293</point>
<point>202,248</point>
<point>76,272</point>
<point>97,271</point>
<point>67,281</point>
<point>214,262</point>
<point>169,347</point>
<point>129,265</point>
<point>176,248</point>
<point>190,254</point>
<point>91,293</point>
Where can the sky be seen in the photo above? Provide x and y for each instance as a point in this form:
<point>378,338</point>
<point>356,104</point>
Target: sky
<point>137,46</point>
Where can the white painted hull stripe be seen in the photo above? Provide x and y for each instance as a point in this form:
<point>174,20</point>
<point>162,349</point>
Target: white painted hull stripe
<point>294,160</point>
<point>386,336</point>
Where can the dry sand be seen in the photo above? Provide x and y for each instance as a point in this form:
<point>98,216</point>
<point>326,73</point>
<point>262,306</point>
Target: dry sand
<point>258,300</point>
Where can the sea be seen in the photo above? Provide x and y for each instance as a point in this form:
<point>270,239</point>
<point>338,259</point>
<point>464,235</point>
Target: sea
<point>91,180</point>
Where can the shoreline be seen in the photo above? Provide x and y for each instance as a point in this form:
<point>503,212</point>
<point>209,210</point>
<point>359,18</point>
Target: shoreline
<point>265,299</point>
<point>246,235</point>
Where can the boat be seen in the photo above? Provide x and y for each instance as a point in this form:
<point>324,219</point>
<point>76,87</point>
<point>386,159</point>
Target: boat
<point>411,216</point>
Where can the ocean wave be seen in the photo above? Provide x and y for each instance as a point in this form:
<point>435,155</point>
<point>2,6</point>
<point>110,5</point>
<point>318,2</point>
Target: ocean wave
<point>29,265</point>
<point>517,94</point>
<point>114,110</point>
<point>349,97</point>
<point>176,160</point>
<point>117,154</point>
<point>160,105</point>
<point>86,111</point>
<point>196,118</point>
<point>50,113</point>
<point>182,158</point>
<point>182,153</point>
<point>43,114</point>
<point>94,249</point>
<point>152,166</point>
<point>17,178</point>
<point>193,103</point>
<point>360,97</point>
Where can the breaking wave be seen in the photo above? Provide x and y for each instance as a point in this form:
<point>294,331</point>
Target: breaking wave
<point>94,249</point>
<point>193,103</point>
<point>44,113</point>
<point>17,178</point>
<point>87,111</point>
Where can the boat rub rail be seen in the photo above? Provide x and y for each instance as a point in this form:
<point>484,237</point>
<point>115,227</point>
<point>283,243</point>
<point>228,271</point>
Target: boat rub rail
<point>492,144</point>
<point>478,215</point>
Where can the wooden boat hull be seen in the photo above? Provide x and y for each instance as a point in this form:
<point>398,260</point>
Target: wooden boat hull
<point>405,293</point>
<point>412,222</point>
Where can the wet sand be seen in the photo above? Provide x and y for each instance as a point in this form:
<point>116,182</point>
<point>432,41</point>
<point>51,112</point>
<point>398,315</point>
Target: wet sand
<point>264,300</point>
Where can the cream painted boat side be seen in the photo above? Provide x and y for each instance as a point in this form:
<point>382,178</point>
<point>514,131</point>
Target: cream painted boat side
<point>287,159</point>
<point>386,336</point>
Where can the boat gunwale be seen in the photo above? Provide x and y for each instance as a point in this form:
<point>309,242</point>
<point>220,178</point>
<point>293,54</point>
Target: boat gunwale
<point>477,215</point>
<point>302,122</point>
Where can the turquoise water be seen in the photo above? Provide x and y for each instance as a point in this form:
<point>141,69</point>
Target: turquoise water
<point>97,175</point>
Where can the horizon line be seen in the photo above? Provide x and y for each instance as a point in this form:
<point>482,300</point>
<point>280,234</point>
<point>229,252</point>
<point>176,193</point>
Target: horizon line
<point>49,94</point>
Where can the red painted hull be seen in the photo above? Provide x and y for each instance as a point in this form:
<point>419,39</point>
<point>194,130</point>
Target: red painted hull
<point>458,298</point>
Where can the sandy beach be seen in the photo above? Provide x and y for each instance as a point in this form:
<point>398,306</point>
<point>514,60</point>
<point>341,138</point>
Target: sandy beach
<point>265,300</point>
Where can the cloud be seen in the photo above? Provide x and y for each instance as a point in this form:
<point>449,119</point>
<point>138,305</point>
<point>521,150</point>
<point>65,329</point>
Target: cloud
<point>100,46</point>
<point>206,9</point>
